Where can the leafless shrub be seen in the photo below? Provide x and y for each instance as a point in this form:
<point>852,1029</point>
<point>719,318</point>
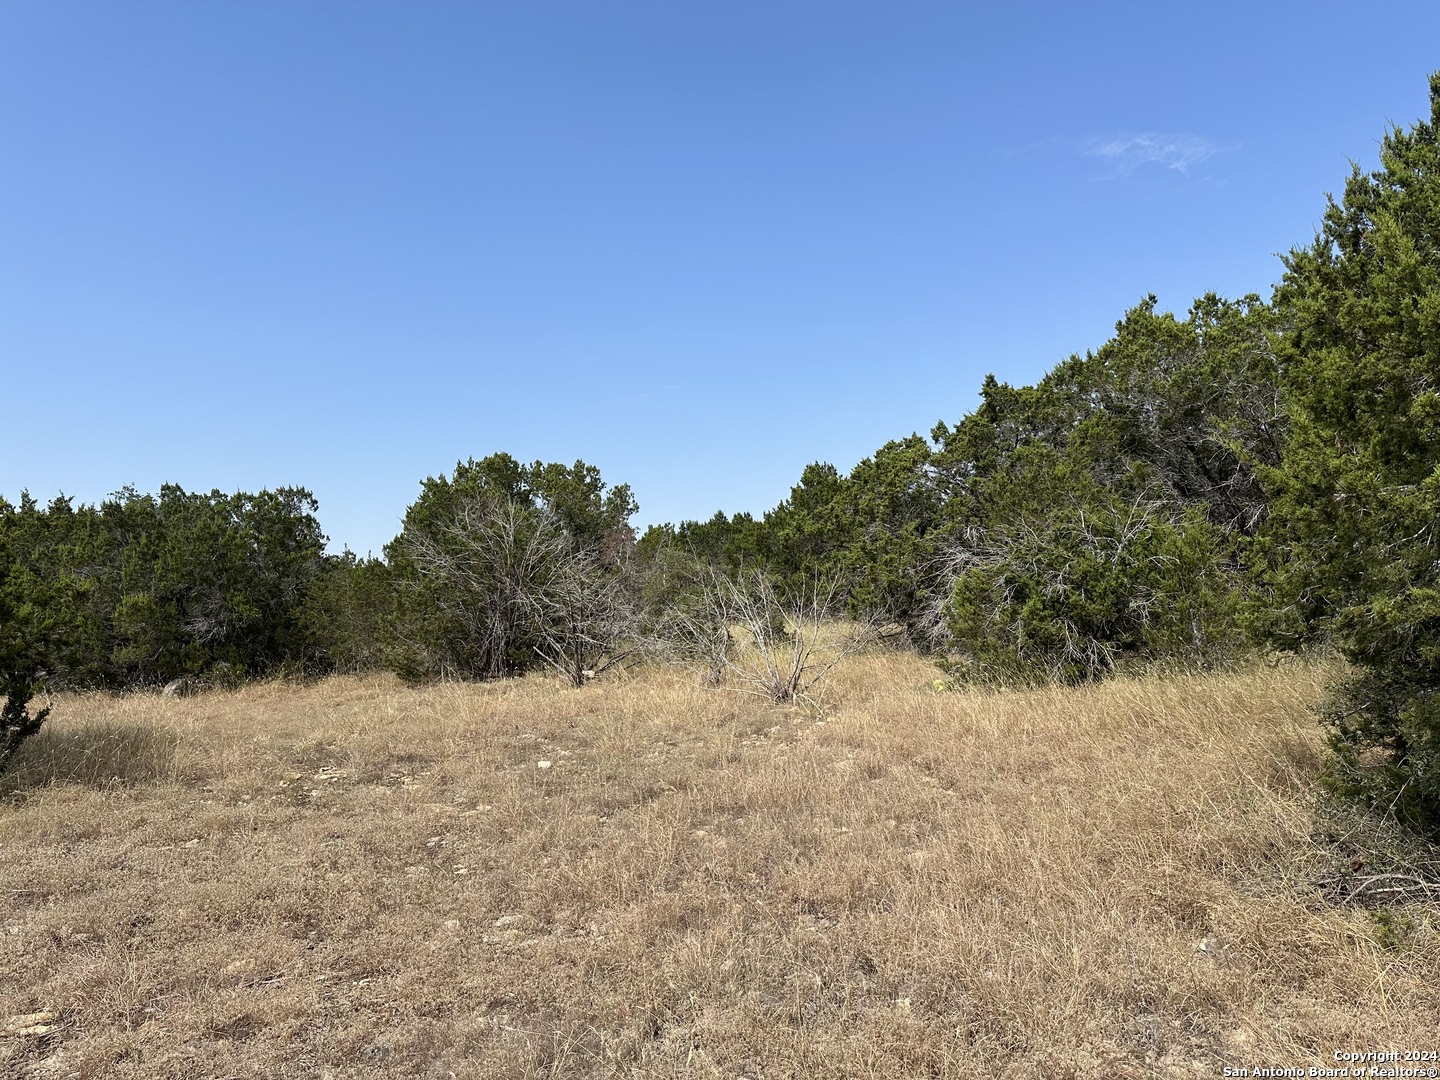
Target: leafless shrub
<point>772,645</point>
<point>586,617</point>
<point>476,571</point>
<point>498,583</point>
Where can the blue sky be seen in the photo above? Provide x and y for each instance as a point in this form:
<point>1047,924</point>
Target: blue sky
<point>343,244</point>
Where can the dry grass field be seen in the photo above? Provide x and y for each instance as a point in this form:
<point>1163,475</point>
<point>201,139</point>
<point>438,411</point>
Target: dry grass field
<point>644,878</point>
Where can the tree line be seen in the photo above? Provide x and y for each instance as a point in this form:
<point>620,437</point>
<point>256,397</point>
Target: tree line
<point>1258,474</point>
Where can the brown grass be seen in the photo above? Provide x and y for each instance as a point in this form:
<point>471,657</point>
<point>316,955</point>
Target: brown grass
<point>358,879</point>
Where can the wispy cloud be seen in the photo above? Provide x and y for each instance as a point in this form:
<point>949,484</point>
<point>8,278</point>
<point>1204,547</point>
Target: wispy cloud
<point>1126,153</point>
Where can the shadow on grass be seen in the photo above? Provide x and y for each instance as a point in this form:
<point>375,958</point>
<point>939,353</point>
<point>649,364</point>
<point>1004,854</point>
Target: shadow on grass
<point>97,754</point>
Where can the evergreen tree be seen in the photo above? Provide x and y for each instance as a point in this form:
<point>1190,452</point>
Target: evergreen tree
<point>500,566</point>
<point>1352,551</point>
<point>23,656</point>
<point>346,612</point>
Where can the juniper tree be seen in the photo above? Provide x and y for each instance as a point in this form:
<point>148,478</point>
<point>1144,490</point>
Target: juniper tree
<point>23,632</point>
<point>1353,551</point>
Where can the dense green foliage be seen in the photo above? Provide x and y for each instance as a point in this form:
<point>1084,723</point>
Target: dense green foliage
<point>1352,550</point>
<point>144,589</point>
<point>1098,516</point>
<point>24,641</point>
<point>347,610</point>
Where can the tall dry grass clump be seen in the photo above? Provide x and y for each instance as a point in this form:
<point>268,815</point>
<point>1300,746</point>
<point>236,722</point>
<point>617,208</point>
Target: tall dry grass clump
<point>643,878</point>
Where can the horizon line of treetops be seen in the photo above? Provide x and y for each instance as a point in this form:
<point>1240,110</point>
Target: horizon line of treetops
<point>1258,474</point>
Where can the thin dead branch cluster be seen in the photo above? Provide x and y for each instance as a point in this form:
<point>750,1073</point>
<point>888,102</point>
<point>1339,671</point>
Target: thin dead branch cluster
<point>761,641</point>
<point>503,582</point>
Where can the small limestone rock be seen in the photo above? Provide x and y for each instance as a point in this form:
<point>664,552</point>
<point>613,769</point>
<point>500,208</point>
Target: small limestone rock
<point>20,1023</point>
